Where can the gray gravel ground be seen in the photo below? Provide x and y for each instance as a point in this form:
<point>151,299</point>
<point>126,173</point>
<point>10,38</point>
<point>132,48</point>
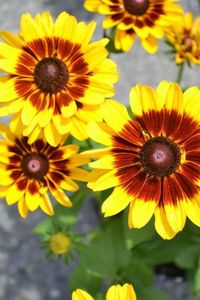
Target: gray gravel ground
<point>24,272</point>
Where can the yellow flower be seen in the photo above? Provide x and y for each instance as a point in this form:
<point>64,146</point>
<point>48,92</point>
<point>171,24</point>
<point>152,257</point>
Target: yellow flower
<point>152,163</point>
<point>56,79</point>
<point>145,18</point>
<point>115,292</point>
<point>185,38</point>
<point>60,243</point>
<point>29,172</point>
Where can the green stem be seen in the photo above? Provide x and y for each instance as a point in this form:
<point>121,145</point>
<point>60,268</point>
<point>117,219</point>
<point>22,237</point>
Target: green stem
<point>180,73</point>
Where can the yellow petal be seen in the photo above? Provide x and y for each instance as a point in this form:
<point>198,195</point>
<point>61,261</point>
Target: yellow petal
<point>170,95</point>
<point>69,110</point>
<point>150,44</point>
<point>45,205</point>
<point>11,39</point>
<point>96,153</point>
<point>176,216</point>
<point>104,182</point>
<point>65,21</point>
<point>32,200</point>
<point>51,134</point>
<point>16,124</point>
<point>144,99</point>
<point>68,151</point>
<point>141,212</point>
<point>116,202</point>
<point>192,210</point>
<point>77,160</point>
<point>34,135</point>
<point>115,115</point>
<point>83,33</point>
<point>77,128</point>
<point>28,112</point>
<point>81,295</point>
<point>45,23</point>
<point>107,162</point>
<point>68,185</point>
<point>192,103</point>
<point>22,208</point>
<point>5,178</point>
<point>6,133</point>
<point>118,292</point>
<point>78,174</point>
<point>29,28</point>
<point>100,133</point>
<point>14,194</point>
<point>95,53</point>
<point>61,197</point>
<point>47,113</point>
<point>61,124</point>
<point>7,91</point>
<point>162,225</point>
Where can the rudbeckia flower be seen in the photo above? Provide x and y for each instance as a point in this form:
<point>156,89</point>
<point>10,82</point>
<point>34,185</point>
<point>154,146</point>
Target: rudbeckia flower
<point>185,39</point>
<point>115,292</point>
<point>60,243</point>
<point>145,18</point>
<point>152,162</point>
<point>29,172</point>
<point>56,78</point>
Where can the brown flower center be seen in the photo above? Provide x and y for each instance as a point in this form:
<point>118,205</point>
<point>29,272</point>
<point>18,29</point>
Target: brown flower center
<point>160,156</point>
<point>35,165</point>
<point>136,7</point>
<point>188,43</point>
<point>51,75</point>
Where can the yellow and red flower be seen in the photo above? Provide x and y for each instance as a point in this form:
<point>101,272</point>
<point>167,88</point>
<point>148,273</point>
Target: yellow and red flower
<point>145,18</point>
<point>29,172</point>
<point>115,292</point>
<point>185,39</point>
<point>55,78</point>
<point>152,162</point>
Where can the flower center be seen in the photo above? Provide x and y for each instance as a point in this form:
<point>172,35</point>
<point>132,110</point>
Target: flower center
<point>188,43</point>
<point>35,165</point>
<point>51,75</point>
<point>136,7</point>
<point>160,156</point>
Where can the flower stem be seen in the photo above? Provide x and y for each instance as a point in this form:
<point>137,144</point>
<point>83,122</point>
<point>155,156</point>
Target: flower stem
<point>180,73</point>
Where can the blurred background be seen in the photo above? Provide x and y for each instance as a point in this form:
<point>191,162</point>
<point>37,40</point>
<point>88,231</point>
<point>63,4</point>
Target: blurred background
<point>25,274</point>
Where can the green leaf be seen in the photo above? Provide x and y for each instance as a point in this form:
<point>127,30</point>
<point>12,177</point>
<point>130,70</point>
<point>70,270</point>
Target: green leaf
<point>134,237</point>
<point>152,293</point>
<point>197,279</point>
<point>82,279</point>
<point>63,215</point>
<point>168,250</point>
<point>106,255</point>
<point>188,258</point>
<point>43,227</point>
<point>99,297</point>
<point>108,249</point>
<point>138,272</point>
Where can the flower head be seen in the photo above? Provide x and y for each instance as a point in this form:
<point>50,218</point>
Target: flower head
<point>60,243</point>
<point>29,172</point>
<point>115,292</point>
<point>153,163</point>
<point>56,79</point>
<point>145,18</point>
<point>185,39</point>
